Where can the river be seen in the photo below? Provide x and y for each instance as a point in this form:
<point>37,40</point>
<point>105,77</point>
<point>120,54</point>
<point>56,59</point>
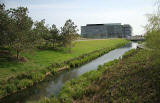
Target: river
<point>54,85</point>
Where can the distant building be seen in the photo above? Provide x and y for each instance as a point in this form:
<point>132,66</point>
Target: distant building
<point>113,30</point>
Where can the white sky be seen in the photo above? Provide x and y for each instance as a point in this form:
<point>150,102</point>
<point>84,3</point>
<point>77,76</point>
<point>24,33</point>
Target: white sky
<point>84,12</point>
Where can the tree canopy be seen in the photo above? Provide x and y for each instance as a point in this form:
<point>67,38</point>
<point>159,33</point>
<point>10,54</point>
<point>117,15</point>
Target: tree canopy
<point>153,33</point>
<point>69,31</point>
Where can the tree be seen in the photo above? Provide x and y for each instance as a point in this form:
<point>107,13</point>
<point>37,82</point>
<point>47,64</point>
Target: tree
<point>20,37</point>
<point>54,37</point>
<point>41,32</point>
<point>69,31</point>
<point>153,29</point>
<point>4,25</point>
<point>153,34</point>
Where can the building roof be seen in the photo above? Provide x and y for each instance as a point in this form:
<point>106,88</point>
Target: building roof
<point>103,24</point>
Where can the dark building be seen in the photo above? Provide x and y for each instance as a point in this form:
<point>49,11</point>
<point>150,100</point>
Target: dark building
<point>113,30</point>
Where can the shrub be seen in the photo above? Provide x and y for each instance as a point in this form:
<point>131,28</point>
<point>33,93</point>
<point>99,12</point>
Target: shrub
<point>35,76</point>
<point>24,83</point>
<point>44,71</point>
<point>10,88</point>
<point>53,70</point>
<point>129,53</point>
<point>110,63</point>
<point>2,92</point>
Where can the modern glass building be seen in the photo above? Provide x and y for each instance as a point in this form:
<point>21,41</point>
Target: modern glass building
<point>113,30</point>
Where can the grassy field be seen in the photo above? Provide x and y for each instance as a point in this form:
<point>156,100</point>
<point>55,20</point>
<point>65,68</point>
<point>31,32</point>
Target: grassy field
<point>134,79</point>
<point>40,59</point>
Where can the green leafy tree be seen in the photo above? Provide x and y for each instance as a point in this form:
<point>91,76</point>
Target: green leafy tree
<point>153,34</point>
<point>41,32</point>
<point>69,31</point>
<point>20,37</point>
<point>54,37</point>
<point>5,21</point>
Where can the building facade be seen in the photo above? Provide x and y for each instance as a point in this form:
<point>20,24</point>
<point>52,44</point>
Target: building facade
<point>113,30</point>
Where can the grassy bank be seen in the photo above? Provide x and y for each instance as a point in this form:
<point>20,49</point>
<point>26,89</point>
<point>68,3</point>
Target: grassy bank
<point>17,76</point>
<point>77,87</point>
<point>134,79</point>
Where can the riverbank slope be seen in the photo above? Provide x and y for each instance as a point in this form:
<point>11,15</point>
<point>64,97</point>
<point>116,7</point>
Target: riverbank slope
<point>135,78</point>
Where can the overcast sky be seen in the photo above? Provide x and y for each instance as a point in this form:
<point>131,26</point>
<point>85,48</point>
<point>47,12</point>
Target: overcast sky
<point>84,12</point>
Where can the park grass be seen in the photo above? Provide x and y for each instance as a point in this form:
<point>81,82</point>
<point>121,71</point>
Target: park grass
<point>39,59</point>
<point>133,79</point>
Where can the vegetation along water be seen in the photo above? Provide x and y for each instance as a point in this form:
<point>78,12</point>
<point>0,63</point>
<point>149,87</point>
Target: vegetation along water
<point>54,85</point>
<point>48,62</point>
<point>32,52</point>
<point>129,79</point>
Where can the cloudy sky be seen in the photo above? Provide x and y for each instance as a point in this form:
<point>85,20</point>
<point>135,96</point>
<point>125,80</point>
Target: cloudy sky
<point>84,12</point>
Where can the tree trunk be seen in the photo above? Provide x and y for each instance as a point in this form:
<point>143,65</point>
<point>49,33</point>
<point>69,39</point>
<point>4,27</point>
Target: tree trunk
<point>18,54</point>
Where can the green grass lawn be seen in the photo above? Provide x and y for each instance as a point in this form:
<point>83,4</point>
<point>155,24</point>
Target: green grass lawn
<point>39,59</point>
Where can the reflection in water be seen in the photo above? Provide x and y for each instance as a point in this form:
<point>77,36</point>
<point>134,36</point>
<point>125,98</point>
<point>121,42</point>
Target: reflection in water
<point>53,86</point>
